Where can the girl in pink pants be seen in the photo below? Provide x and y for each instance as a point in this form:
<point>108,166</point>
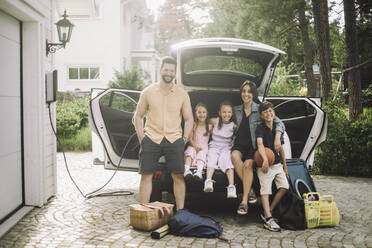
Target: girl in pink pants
<point>196,152</point>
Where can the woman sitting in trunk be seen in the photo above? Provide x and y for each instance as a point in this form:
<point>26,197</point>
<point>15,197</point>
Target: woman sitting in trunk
<point>248,118</point>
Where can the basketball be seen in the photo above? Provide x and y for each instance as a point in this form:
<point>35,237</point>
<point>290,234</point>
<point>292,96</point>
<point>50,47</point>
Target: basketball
<point>269,154</point>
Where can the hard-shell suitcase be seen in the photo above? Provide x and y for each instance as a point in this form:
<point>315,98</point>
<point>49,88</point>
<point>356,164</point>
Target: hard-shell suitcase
<point>299,177</point>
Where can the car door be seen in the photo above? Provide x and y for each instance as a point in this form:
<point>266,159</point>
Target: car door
<point>110,117</point>
<point>305,122</point>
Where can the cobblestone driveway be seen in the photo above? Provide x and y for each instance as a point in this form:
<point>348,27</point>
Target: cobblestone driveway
<point>68,220</point>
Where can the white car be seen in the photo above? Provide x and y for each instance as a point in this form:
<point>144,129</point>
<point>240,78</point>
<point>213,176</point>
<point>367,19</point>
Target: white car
<point>210,70</point>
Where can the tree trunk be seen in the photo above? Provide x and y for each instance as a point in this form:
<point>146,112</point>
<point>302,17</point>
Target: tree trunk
<point>352,58</point>
<point>307,50</point>
<point>320,12</point>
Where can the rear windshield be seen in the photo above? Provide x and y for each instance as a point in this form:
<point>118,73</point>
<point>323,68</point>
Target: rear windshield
<point>222,67</point>
<point>222,63</point>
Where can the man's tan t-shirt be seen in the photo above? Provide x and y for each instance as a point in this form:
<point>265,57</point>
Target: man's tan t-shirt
<point>164,112</point>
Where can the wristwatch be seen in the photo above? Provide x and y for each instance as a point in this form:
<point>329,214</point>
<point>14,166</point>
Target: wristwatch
<point>185,139</point>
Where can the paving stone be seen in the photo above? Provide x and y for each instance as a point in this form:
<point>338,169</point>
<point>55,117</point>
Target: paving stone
<point>69,220</point>
<point>274,242</point>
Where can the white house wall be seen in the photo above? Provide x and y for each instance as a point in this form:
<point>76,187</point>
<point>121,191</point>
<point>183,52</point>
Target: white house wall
<point>138,35</point>
<point>50,144</point>
<point>94,42</point>
<point>106,42</point>
<point>112,41</point>
<point>126,31</point>
<point>50,159</point>
<point>134,30</point>
<point>39,145</point>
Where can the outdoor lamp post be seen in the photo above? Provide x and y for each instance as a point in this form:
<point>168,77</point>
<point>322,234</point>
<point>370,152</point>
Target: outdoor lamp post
<point>64,28</point>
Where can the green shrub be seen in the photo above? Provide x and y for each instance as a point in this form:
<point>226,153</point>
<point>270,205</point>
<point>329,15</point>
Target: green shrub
<point>348,148</point>
<point>367,96</point>
<point>71,116</point>
<point>65,96</point>
<point>82,141</point>
<point>68,123</point>
<point>282,85</point>
<point>129,79</point>
<point>81,108</point>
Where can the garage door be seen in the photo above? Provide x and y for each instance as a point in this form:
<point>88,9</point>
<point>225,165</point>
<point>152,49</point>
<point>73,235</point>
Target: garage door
<point>11,179</point>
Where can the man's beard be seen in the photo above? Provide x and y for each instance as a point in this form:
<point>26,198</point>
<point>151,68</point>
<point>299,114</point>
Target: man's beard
<point>165,79</point>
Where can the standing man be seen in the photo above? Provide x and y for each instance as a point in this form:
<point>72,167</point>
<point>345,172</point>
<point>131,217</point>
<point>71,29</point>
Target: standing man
<point>164,104</point>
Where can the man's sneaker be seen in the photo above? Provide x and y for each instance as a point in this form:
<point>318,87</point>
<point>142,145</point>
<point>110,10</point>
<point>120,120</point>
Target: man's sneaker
<point>198,175</point>
<point>187,174</point>
<point>271,225</point>
<point>208,185</point>
<point>231,191</point>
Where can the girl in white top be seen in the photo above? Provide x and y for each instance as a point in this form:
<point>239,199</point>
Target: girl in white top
<point>219,151</point>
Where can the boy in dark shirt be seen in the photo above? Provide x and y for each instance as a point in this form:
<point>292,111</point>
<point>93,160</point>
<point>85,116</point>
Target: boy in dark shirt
<point>277,172</point>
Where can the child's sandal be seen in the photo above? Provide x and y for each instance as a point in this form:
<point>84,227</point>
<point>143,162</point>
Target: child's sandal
<point>252,199</point>
<point>242,209</point>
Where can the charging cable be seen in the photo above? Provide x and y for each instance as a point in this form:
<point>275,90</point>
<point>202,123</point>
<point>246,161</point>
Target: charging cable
<point>92,194</point>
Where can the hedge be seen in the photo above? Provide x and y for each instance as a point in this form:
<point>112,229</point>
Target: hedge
<point>348,148</point>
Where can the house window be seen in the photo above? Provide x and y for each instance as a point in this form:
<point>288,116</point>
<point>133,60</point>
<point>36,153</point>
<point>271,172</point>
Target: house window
<point>83,73</point>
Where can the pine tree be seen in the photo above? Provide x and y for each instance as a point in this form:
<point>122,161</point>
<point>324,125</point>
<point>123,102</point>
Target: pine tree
<point>320,12</point>
<point>352,57</point>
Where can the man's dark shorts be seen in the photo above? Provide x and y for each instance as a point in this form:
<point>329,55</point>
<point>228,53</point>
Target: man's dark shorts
<point>150,153</point>
<point>247,152</point>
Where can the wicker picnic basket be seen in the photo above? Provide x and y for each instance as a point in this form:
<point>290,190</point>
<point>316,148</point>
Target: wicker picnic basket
<point>148,217</point>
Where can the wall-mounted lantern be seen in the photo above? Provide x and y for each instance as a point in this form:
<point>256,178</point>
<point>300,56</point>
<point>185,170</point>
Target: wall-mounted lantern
<point>64,28</point>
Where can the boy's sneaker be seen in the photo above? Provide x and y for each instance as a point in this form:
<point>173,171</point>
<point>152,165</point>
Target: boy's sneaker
<point>198,175</point>
<point>264,219</point>
<point>231,191</point>
<point>271,225</point>
<point>187,174</point>
<point>208,185</point>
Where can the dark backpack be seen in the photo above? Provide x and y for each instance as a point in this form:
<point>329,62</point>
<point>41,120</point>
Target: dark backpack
<point>184,223</point>
<point>290,212</point>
